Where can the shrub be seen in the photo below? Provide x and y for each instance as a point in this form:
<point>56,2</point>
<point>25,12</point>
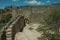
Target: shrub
<point>52,24</point>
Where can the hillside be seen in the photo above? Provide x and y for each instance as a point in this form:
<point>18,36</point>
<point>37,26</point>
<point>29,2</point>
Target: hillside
<point>5,16</point>
<point>34,13</point>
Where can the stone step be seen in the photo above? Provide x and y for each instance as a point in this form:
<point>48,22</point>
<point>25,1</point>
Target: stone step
<point>8,33</point>
<point>9,38</point>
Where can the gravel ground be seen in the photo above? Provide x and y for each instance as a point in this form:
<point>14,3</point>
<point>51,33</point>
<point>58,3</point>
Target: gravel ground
<point>28,34</point>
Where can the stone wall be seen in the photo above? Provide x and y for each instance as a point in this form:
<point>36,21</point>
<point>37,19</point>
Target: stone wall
<point>15,26</point>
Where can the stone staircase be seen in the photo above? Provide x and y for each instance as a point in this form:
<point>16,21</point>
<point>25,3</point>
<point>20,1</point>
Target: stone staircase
<point>12,27</point>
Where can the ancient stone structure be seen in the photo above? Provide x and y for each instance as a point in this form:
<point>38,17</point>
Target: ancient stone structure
<point>10,29</point>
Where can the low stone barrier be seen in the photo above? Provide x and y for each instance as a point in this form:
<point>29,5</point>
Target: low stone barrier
<point>15,25</point>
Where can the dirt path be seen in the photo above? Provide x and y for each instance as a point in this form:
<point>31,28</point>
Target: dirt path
<point>28,34</point>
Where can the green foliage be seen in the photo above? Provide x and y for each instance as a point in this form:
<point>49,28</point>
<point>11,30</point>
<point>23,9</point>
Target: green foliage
<point>8,17</point>
<point>5,20</point>
<point>51,25</point>
<point>52,18</point>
